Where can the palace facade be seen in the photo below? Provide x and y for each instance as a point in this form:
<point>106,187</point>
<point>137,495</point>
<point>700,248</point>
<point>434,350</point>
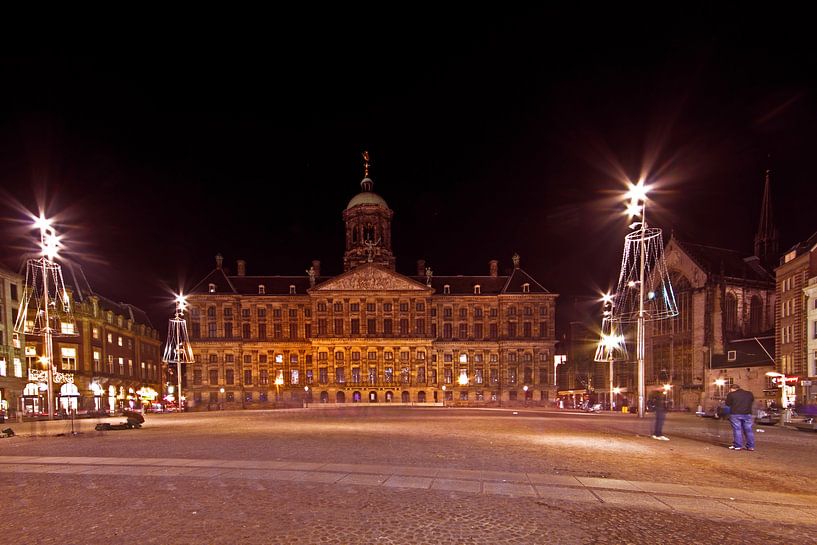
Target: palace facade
<point>370,334</point>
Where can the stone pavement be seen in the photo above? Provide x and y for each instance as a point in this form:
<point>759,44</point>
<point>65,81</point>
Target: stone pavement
<point>731,503</point>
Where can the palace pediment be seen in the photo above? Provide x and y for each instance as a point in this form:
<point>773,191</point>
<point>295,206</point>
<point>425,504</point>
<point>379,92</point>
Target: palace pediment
<point>371,278</point>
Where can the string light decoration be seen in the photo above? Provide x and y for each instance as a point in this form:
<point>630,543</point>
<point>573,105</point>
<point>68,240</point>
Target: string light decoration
<point>611,344</point>
<point>45,307</point>
<point>644,292</point>
<point>178,349</point>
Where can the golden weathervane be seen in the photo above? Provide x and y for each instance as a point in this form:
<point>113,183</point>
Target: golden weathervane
<point>365,164</point>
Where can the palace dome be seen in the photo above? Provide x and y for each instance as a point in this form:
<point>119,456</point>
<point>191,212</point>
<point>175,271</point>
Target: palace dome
<point>366,196</point>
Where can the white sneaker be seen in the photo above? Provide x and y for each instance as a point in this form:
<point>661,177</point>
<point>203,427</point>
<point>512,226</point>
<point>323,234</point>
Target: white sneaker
<point>656,437</point>
<point>664,438</point>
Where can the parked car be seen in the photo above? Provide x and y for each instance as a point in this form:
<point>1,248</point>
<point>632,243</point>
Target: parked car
<point>767,418</point>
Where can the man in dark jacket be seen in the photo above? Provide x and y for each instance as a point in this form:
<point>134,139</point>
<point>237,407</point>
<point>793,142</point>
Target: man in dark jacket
<point>740,403</point>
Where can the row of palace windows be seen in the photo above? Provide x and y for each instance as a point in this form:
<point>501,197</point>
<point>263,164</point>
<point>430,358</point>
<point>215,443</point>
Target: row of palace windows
<point>292,313</point>
<point>361,375</point>
<point>403,328</point>
<point>357,397</point>
<point>388,355</point>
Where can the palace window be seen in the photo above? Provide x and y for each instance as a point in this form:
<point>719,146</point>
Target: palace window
<point>69,358</point>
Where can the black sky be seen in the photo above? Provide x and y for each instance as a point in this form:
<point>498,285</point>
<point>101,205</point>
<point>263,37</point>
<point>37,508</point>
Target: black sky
<point>163,142</point>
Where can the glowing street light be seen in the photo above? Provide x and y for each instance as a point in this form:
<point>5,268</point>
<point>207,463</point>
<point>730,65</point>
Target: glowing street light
<point>44,288</point>
<point>611,344</point>
<point>178,349</point>
<point>644,290</point>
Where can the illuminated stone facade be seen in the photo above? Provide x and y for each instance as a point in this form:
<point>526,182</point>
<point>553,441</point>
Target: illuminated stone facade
<point>370,334</point>
<point>115,354</point>
<point>12,362</point>
<point>722,298</point>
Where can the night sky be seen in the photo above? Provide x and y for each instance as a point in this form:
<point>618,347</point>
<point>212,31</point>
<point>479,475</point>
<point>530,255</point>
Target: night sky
<point>160,143</point>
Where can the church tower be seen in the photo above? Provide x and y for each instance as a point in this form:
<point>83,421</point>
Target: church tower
<point>368,226</point>
<point>766,238</point>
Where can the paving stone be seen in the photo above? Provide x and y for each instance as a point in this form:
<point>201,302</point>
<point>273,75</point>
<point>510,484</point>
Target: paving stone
<point>363,479</point>
<point>616,484</point>
<point>703,506</point>
<point>458,485</point>
<point>408,482</point>
<point>559,494</point>
<point>630,499</point>
<point>562,480</point>
<point>508,489</point>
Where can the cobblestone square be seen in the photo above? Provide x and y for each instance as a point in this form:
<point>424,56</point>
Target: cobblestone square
<point>405,475</point>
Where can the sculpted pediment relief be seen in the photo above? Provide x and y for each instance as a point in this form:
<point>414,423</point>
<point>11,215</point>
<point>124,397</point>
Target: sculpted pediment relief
<point>370,278</point>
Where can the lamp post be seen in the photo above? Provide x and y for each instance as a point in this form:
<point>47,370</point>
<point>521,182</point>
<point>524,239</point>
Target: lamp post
<point>306,396</point>
<point>525,389</point>
<point>720,383</point>
<point>610,343</point>
<point>279,381</point>
<point>45,296</point>
<point>443,395</point>
<point>644,290</point>
<point>178,349</point>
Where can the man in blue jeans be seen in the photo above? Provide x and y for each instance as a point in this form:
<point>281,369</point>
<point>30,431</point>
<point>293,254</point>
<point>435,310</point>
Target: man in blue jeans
<point>740,403</point>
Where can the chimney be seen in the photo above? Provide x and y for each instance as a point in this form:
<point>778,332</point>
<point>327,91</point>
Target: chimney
<point>421,267</point>
<point>493,267</point>
<point>241,266</point>
<point>219,261</point>
<point>316,264</point>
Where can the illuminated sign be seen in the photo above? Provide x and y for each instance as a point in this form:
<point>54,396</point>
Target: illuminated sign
<point>35,375</point>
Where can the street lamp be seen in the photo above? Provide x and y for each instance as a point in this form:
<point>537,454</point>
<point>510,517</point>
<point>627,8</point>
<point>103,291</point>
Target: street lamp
<point>720,383</point>
<point>178,349</point>
<point>306,396</point>
<point>525,389</point>
<point>644,290</point>
<point>46,298</point>
<point>279,381</point>
<point>443,395</point>
<point>611,344</point>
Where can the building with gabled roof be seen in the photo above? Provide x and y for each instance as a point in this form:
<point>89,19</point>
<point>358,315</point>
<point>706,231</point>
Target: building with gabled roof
<point>796,326</point>
<point>369,334</point>
<point>722,296</point>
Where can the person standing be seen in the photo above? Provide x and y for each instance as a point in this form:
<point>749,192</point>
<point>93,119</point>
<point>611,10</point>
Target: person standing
<point>660,416</point>
<point>740,403</point>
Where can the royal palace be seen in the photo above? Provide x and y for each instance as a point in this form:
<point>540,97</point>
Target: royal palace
<point>370,334</point>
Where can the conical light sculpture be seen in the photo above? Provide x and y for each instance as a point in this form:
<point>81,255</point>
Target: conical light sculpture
<point>178,349</point>
<point>611,345</point>
<point>644,292</point>
<point>45,308</point>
